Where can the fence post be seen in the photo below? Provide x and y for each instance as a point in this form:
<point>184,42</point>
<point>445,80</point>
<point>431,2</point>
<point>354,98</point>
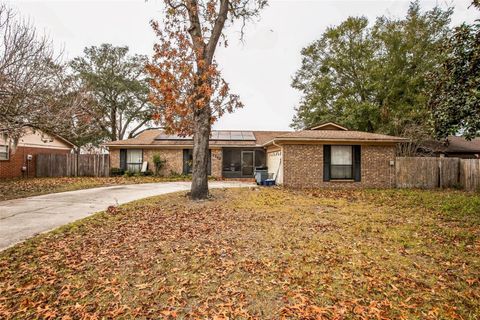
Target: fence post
<point>440,173</point>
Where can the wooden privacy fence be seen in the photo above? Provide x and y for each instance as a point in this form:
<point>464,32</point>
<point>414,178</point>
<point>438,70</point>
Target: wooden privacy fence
<point>470,174</point>
<point>72,165</point>
<point>431,172</point>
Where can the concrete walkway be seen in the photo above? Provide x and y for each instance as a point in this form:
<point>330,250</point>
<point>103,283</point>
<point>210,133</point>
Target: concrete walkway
<point>21,219</point>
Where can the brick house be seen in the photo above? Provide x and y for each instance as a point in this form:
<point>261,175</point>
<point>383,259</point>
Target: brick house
<point>323,156</point>
<point>19,160</point>
<point>452,146</point>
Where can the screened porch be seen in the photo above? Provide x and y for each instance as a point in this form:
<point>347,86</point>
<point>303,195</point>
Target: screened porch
<point>241,162</point>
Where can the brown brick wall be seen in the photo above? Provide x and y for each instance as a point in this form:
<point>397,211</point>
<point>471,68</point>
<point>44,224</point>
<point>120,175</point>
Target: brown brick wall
<point>12,168</point>
<point>173,157</point>
<point>174,160</point>
<point>217,163</point>
<point>303,167</point>
<point>376,169</point>
<point>114,158</point>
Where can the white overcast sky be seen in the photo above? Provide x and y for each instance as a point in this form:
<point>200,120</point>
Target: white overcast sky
<point>260,69</point>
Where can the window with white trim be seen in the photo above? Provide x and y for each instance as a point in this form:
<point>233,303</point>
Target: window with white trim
<point>4,152</point>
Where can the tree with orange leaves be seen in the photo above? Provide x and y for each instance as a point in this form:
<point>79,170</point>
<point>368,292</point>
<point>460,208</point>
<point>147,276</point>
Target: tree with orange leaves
<point>187,88</point>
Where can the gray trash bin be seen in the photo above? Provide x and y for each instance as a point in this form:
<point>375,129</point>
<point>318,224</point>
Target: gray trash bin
<point>261,174</point>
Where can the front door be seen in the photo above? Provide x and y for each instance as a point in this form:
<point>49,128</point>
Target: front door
<point>247,163</point>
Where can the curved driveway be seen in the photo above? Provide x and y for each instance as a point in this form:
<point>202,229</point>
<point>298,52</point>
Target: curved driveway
<point>21,219</point>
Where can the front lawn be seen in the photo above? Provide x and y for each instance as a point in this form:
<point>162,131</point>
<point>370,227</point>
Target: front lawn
<point>21,188</point>
<point>264,254</point>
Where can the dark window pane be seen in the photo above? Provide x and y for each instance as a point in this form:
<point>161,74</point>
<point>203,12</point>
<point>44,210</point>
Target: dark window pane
<point>341,172</point>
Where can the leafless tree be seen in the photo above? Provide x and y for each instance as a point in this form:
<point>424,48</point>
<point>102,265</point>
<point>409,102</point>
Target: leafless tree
<point>32,88</point>
<point>420,142</point>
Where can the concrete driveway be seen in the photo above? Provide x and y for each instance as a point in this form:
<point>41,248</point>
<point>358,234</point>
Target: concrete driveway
<point>21,219</point>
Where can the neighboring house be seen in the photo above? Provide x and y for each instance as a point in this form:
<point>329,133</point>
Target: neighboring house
<point>453,146</point>
<point>326,155</point>
<point>18,159</point>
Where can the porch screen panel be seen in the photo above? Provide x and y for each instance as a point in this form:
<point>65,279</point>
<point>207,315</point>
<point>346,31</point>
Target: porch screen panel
<point>232,161</point>
<point>341,166</point>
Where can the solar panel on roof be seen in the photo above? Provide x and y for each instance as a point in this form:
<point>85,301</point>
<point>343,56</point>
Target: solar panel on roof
<point>215,135</point>
<point>248,135</point>
<point>224,135</point>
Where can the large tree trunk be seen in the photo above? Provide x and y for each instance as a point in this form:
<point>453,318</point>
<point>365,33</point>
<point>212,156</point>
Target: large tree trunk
<point>201,136</point>
<point>113,124</point>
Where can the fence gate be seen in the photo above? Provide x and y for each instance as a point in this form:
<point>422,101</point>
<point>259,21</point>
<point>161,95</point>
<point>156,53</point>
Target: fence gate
<point>72,165</point>
<point>470,174</point>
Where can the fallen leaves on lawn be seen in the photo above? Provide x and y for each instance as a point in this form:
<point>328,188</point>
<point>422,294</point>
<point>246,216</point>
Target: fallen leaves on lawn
<point>251,254</point>
<point>26,187</point>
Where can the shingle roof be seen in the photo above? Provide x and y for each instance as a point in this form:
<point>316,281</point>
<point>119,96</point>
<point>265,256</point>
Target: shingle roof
<point>329,135</point>
<point>146,137</point>
<point>157,137</point>
<point>328,126</point>
<point>266,136</point>
<point>460,144</point>
<point>452,144</point>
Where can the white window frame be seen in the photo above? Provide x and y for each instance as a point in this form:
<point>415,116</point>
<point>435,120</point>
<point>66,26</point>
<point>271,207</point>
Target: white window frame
<point>7,153</point>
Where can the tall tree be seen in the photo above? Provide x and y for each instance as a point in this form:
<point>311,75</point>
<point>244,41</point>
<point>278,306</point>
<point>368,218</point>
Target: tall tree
<point>118,84</point>
<point>35,90</point>
<point>372,78</point>
<point>30,76</point>
<point>455,98</point>
<point>409,49</point>
<point>335,78</point>
<point>187,88</point>
<point>73,103</point>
